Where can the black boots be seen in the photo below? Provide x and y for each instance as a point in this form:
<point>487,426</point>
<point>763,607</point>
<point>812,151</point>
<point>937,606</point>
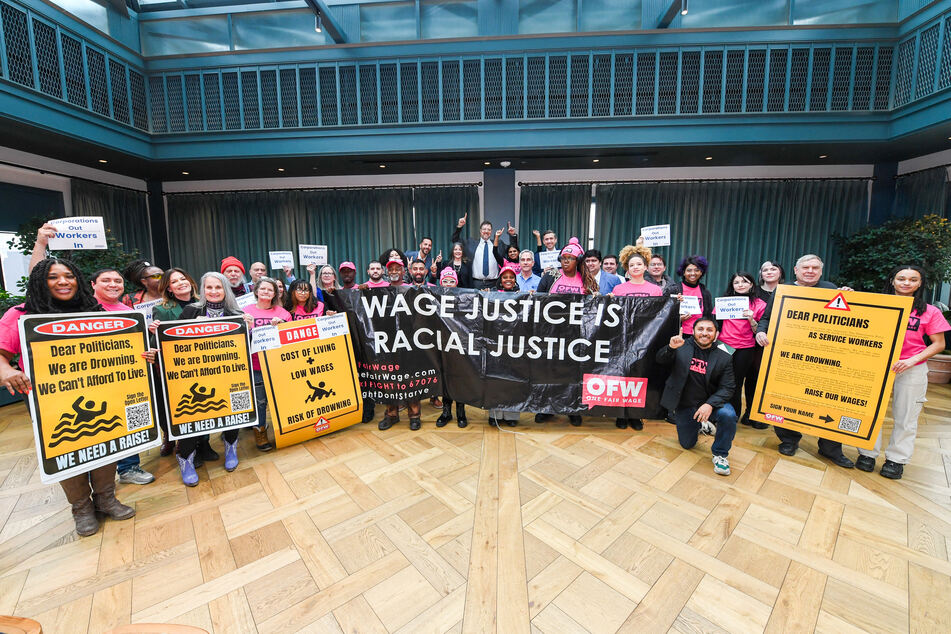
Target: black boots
<point>446,415</point>
<point>461,419</point>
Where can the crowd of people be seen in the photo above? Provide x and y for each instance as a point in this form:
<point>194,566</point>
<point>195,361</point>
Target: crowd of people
<point>712,363</point>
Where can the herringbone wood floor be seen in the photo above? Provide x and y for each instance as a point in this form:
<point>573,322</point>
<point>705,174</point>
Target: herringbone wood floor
<point>555,529</point>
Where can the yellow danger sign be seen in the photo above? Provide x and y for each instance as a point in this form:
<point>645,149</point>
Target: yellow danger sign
<point>827,370</point>
<point>206,366</point>
<point>92,400</point>
<point>311,379</point>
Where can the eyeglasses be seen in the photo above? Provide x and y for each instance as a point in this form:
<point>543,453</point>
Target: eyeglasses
<point>157,276</point>
<point>303,291</point>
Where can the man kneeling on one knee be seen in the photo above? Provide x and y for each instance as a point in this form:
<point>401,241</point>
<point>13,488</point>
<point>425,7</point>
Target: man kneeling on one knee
<point>698,390</point>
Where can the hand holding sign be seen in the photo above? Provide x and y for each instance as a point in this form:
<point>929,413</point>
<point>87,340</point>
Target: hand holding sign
<point>44,233</point>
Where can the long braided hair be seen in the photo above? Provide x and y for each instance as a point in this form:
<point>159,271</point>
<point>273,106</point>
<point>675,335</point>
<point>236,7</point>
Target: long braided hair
<point>40,300</point>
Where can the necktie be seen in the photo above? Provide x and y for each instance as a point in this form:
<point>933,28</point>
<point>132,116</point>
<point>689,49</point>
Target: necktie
<point>485,258</point>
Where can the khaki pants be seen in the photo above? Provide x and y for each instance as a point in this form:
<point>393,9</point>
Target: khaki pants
<point>908,397</point>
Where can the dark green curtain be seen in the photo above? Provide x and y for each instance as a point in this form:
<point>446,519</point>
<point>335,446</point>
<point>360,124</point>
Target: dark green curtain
<point>438,209</point>
<point>734,224</point>
<point>921,193</point>
<point>355,224</point>
<point>125,212</point>
<point>565,209</point>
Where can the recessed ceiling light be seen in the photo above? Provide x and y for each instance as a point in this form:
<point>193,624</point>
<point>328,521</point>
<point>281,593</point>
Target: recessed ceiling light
<point>822,156</point>
<point>184,173</point>
<point>709,158</point>
<point>382,166</point>
<point>505,163</point>
<point>487,163</point>
<point>595,160</point>
<point>103,161</point>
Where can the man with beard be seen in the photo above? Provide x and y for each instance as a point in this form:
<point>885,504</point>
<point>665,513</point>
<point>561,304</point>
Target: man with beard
<point>425,252</point>
<point>698,391</point>
<point>233,270</point>
<point>375,273</point>
<point>417,273</point>
<point>348,274</point>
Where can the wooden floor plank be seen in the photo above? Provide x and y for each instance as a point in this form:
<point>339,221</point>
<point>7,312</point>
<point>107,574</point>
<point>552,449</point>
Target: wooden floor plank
<point>481,609</point>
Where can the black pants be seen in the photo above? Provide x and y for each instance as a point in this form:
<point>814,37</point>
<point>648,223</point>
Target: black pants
<point>480,284</point>
<point>829,447</point>
<point>745,370</point>
<point>187,445</point>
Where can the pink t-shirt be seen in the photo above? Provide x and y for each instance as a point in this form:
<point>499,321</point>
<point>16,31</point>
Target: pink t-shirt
<point>638,290</point>
<point>9,332</point>
<point>113,306</point>
<point>381,284</point>
<point>737,332</point>
<point>687,326</point>
<point>263,318</point>
<point>300,313</point>
<point>931,322</point>
<point>565,284</point>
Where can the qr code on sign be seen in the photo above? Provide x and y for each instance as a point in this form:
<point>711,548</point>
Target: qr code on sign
<point>138,416</point>
<point>849,424</point>
<point>240,401</point>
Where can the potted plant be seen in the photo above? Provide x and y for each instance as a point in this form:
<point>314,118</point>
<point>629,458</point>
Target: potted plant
<point>869,254</point>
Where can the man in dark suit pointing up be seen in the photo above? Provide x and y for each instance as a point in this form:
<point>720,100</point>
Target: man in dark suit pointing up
<point>484,268</point>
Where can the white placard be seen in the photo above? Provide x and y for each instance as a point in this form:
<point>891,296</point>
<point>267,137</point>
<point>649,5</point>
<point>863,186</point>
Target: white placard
<point>656,235</point>
<point>146,308</point>
<point>312,254</point>
<point>246,300</point>
<point>78,232</point>
<point>548,259</point>
<point>264,338</point>
<point>690,305</point>
<point>280,259</point>
<point>332,326</point>
<point>732,307</point>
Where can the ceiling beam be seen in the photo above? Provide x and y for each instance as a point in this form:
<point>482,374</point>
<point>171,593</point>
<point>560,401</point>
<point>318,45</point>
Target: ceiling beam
<point>119,6</point>
<point>333,28</point>
<point>665,18</point>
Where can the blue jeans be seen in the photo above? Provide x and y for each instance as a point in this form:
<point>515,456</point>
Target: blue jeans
<point>723,417</point>
<point>127,463</point>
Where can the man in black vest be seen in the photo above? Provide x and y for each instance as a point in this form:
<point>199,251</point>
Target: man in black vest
<point>698,390</point>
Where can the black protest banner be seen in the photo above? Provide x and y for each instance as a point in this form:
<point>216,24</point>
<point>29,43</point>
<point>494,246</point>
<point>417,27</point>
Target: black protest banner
<point>540,353</point>
<point>92,398</point>
<point>206,366</point>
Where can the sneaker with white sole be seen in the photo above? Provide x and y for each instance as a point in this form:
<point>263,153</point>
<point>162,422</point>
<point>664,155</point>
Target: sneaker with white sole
<point>721,466</point>
<point>135,475</point>
<point>708,428</point>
